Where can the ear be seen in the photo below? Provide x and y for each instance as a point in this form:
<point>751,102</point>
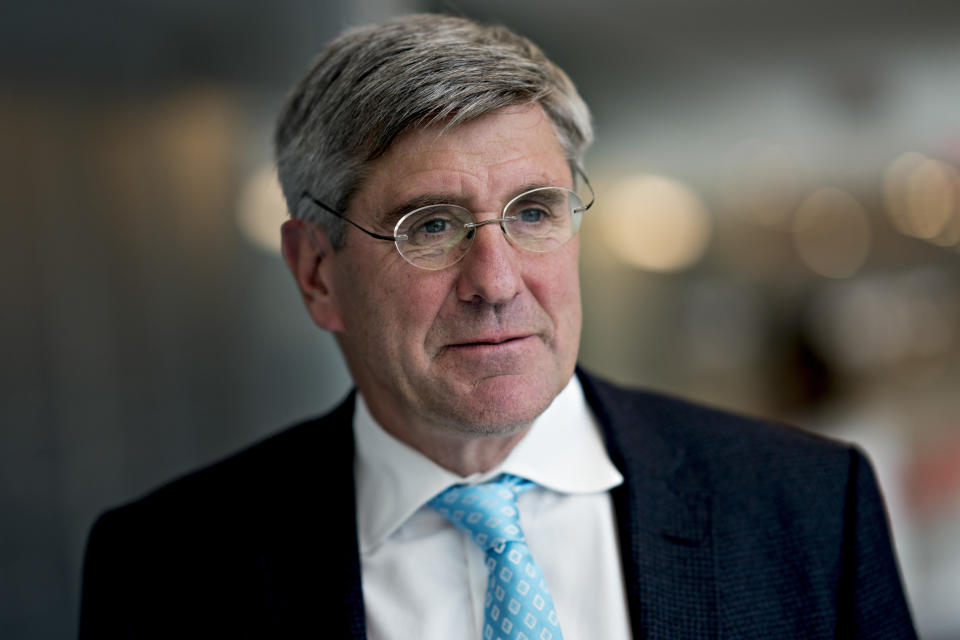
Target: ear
<point>309,256</point>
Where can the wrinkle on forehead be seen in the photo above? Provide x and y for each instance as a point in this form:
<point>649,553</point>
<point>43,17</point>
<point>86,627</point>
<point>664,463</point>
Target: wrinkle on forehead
<point>466,158</point>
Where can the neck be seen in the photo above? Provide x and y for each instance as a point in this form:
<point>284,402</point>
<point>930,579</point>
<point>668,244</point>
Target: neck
<point>466,456</point>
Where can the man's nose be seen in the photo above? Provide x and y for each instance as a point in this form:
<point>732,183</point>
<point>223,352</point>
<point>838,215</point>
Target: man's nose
<point>490,271</point>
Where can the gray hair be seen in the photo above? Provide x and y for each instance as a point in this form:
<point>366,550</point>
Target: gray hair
<point>371,84</point>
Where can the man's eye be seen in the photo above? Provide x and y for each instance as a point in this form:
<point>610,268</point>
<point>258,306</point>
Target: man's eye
<point>435,225</point>
<point>533,216</point>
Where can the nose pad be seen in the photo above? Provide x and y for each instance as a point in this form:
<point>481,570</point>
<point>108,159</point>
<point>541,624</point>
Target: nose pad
<point>473,226</point>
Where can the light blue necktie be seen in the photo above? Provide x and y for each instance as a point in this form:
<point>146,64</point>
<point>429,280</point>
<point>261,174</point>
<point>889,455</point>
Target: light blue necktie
<point>518,605</point>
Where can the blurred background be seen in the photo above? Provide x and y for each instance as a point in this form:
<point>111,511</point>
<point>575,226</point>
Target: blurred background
<point>777,231</point>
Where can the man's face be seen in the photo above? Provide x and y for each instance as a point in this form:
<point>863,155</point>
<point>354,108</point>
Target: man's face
<point>483,346</point>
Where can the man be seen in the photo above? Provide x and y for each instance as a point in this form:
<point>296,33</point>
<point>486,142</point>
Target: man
<point>474,485</point>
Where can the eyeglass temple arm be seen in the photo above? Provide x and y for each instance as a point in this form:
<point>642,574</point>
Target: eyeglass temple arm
<point>328,209</point>
<point>586,181</point>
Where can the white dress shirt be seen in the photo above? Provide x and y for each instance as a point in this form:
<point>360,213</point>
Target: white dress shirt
<point>423,579</point>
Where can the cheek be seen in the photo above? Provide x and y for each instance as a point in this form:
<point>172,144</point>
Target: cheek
<point>558,287</point>
<point>571,313</point>
<point>363,296</point>
<point>402,309</point>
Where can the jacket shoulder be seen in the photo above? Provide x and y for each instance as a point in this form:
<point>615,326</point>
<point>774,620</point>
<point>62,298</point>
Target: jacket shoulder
<point>755,473</point>
<point>720,442</point>
<point>228,548</point>
<point>266,473</point>
<point>798,530</point>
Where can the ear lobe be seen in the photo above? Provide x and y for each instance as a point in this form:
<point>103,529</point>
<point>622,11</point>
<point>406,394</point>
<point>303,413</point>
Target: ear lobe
<point>310,256</point>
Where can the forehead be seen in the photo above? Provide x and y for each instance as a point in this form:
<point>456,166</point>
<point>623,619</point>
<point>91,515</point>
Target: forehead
<point>487,157</point>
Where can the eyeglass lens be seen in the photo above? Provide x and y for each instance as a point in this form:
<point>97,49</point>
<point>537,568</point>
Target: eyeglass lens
<point>438,236</point>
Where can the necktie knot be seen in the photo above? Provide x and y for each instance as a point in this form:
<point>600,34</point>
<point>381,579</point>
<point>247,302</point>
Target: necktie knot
<point>486,512</point>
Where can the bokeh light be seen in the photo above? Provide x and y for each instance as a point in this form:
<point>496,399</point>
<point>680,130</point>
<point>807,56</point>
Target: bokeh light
<point>261,209</point>
<point>832,233</point>
<point>921,196</point>
<point>656,223</point>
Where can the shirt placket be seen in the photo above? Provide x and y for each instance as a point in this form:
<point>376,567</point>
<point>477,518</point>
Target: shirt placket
<point>477,577</point>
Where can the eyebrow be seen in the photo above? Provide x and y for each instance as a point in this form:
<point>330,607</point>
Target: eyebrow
<point>391,217</point>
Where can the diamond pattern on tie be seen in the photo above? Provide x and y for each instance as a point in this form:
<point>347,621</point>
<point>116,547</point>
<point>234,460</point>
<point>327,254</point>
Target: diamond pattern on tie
<point>517,604</point>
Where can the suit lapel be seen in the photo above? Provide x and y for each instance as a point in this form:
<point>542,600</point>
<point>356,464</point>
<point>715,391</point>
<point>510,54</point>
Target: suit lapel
<point>311,562</point>
<point>663,519</point>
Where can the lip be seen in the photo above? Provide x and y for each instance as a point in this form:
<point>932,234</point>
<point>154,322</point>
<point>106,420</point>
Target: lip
<point>490,341</point>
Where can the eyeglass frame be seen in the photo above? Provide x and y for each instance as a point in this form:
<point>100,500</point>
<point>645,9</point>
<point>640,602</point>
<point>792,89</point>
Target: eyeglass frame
<point>468,225</point>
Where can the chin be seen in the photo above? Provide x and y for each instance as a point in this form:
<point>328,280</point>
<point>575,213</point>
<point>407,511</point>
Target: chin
<point>501,406</point>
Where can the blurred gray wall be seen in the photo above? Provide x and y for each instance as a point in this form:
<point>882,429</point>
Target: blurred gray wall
<point>142,335</point>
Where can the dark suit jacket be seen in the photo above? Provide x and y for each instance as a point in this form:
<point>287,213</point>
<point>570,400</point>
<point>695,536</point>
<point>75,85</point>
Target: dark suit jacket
<point>728,528</point>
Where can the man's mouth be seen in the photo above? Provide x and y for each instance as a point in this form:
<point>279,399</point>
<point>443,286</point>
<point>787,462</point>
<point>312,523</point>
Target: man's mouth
<point>491,341</point>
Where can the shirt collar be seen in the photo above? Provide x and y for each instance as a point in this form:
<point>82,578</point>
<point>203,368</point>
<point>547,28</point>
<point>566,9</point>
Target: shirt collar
<point>563,451</point>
